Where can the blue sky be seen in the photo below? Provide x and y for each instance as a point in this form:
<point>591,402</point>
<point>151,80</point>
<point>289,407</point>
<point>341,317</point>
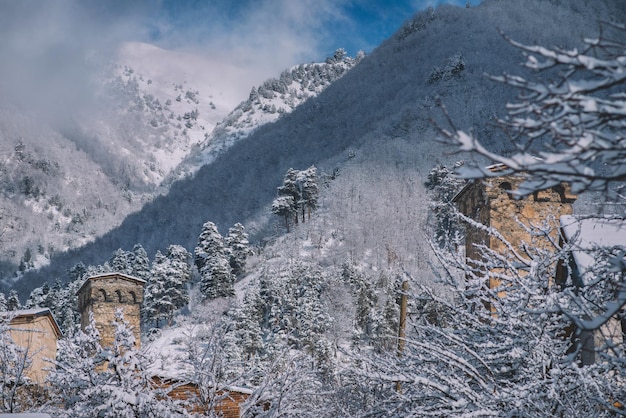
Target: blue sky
<point>318,27</point>
<point>52,48</point>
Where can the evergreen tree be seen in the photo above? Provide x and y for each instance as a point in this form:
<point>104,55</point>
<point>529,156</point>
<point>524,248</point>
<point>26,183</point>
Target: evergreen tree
<point>134,263</point>
<point>13,301</point>
<point>179,273</point>
<point>91,382</point>
<point>310,190</point>
<point>238,248</point>
<point>365,320</point>
<point>3,302</point>
<point>155,303</point>
<point>140,263</point>
<point>442,185</point>
<point>291,188</point>
<point>212,263</point>
<point>120,261</point>
<point>284,206</point>
<point>166,290</point>
<point>77,272</point>
<point>297,195</point>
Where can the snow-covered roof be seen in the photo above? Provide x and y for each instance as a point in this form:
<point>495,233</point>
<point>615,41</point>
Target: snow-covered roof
<point>35,312</point>
<point>587,234</point>
<point>26,312</point>
<point>117,275</point>
<point>169,352</point>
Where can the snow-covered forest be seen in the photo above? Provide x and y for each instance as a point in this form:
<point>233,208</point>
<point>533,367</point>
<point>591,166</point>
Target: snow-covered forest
<point>281,266</point>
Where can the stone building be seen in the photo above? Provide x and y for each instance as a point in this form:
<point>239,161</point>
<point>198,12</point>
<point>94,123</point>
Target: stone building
<point>103,295</point>
<point>37,332</point>
<point>491,202</point>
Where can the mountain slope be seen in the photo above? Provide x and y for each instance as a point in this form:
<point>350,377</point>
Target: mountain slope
<point>265,104</point>
<point>438,56</point>
<point>65,182</point>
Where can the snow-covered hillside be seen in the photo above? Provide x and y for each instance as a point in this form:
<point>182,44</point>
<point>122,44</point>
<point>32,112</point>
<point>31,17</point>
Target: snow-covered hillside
<point>265,104</point>
<point>393,93</point>
<point>158,115</point>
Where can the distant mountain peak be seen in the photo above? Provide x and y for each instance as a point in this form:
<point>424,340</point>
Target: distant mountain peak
<point>266,103</point>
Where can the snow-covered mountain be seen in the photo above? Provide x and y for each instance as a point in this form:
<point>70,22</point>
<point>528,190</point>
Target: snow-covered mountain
<point>154,116</point>
<point>265,104</point>
<point>380,112</point>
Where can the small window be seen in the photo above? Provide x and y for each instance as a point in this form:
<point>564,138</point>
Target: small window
<point>133,296</point>
<point>119,296</point>
<point>103,295</point>
<point>506,186</point>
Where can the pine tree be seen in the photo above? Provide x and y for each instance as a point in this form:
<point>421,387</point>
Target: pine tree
<point>238,248</point>
<point>140,263</point>
<point>442,185</point>
<point>284,206</point>
<point>212,263</point>
<point>13,301</point>
<point>179,274</point>
<point>120,261</point>
<point>291,188</point>
<point>3,302</point>
<point>157,305</point>
<point>310,190</point>
<point>166,290</point>
<point>297,195</point>
<point>124,388</point>
<point>134,263</point>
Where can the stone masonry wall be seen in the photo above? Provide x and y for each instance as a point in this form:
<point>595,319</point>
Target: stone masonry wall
<point>489,202</point>
<point>104,295</point>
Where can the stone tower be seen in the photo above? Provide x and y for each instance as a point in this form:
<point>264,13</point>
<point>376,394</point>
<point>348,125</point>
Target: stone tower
<point>103,295</point>
<point>489,202</point>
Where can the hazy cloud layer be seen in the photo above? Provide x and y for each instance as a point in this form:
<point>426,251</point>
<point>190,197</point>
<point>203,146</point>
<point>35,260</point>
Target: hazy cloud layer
<point>50,50</point>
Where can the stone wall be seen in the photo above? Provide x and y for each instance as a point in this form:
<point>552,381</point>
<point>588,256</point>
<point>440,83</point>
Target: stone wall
<point>36,331</point>
<point>490,203</point>
<point>104,295</point>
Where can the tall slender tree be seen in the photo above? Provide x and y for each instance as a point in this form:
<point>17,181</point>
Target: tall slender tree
<point>212,262</point>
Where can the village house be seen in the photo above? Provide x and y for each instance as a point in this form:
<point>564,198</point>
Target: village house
<point>102,296</point>
<point>37,332</point>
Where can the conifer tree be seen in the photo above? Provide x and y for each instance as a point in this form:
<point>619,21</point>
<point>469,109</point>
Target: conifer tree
<point>140,263</point>
<point>13,301</point>
<point>284,206</point>
<point>310,190</point>
<point>212,263</point>
<point>238,248</point>
<point>166,290</point>
<point>80,388</point>
<point>291,188</point>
